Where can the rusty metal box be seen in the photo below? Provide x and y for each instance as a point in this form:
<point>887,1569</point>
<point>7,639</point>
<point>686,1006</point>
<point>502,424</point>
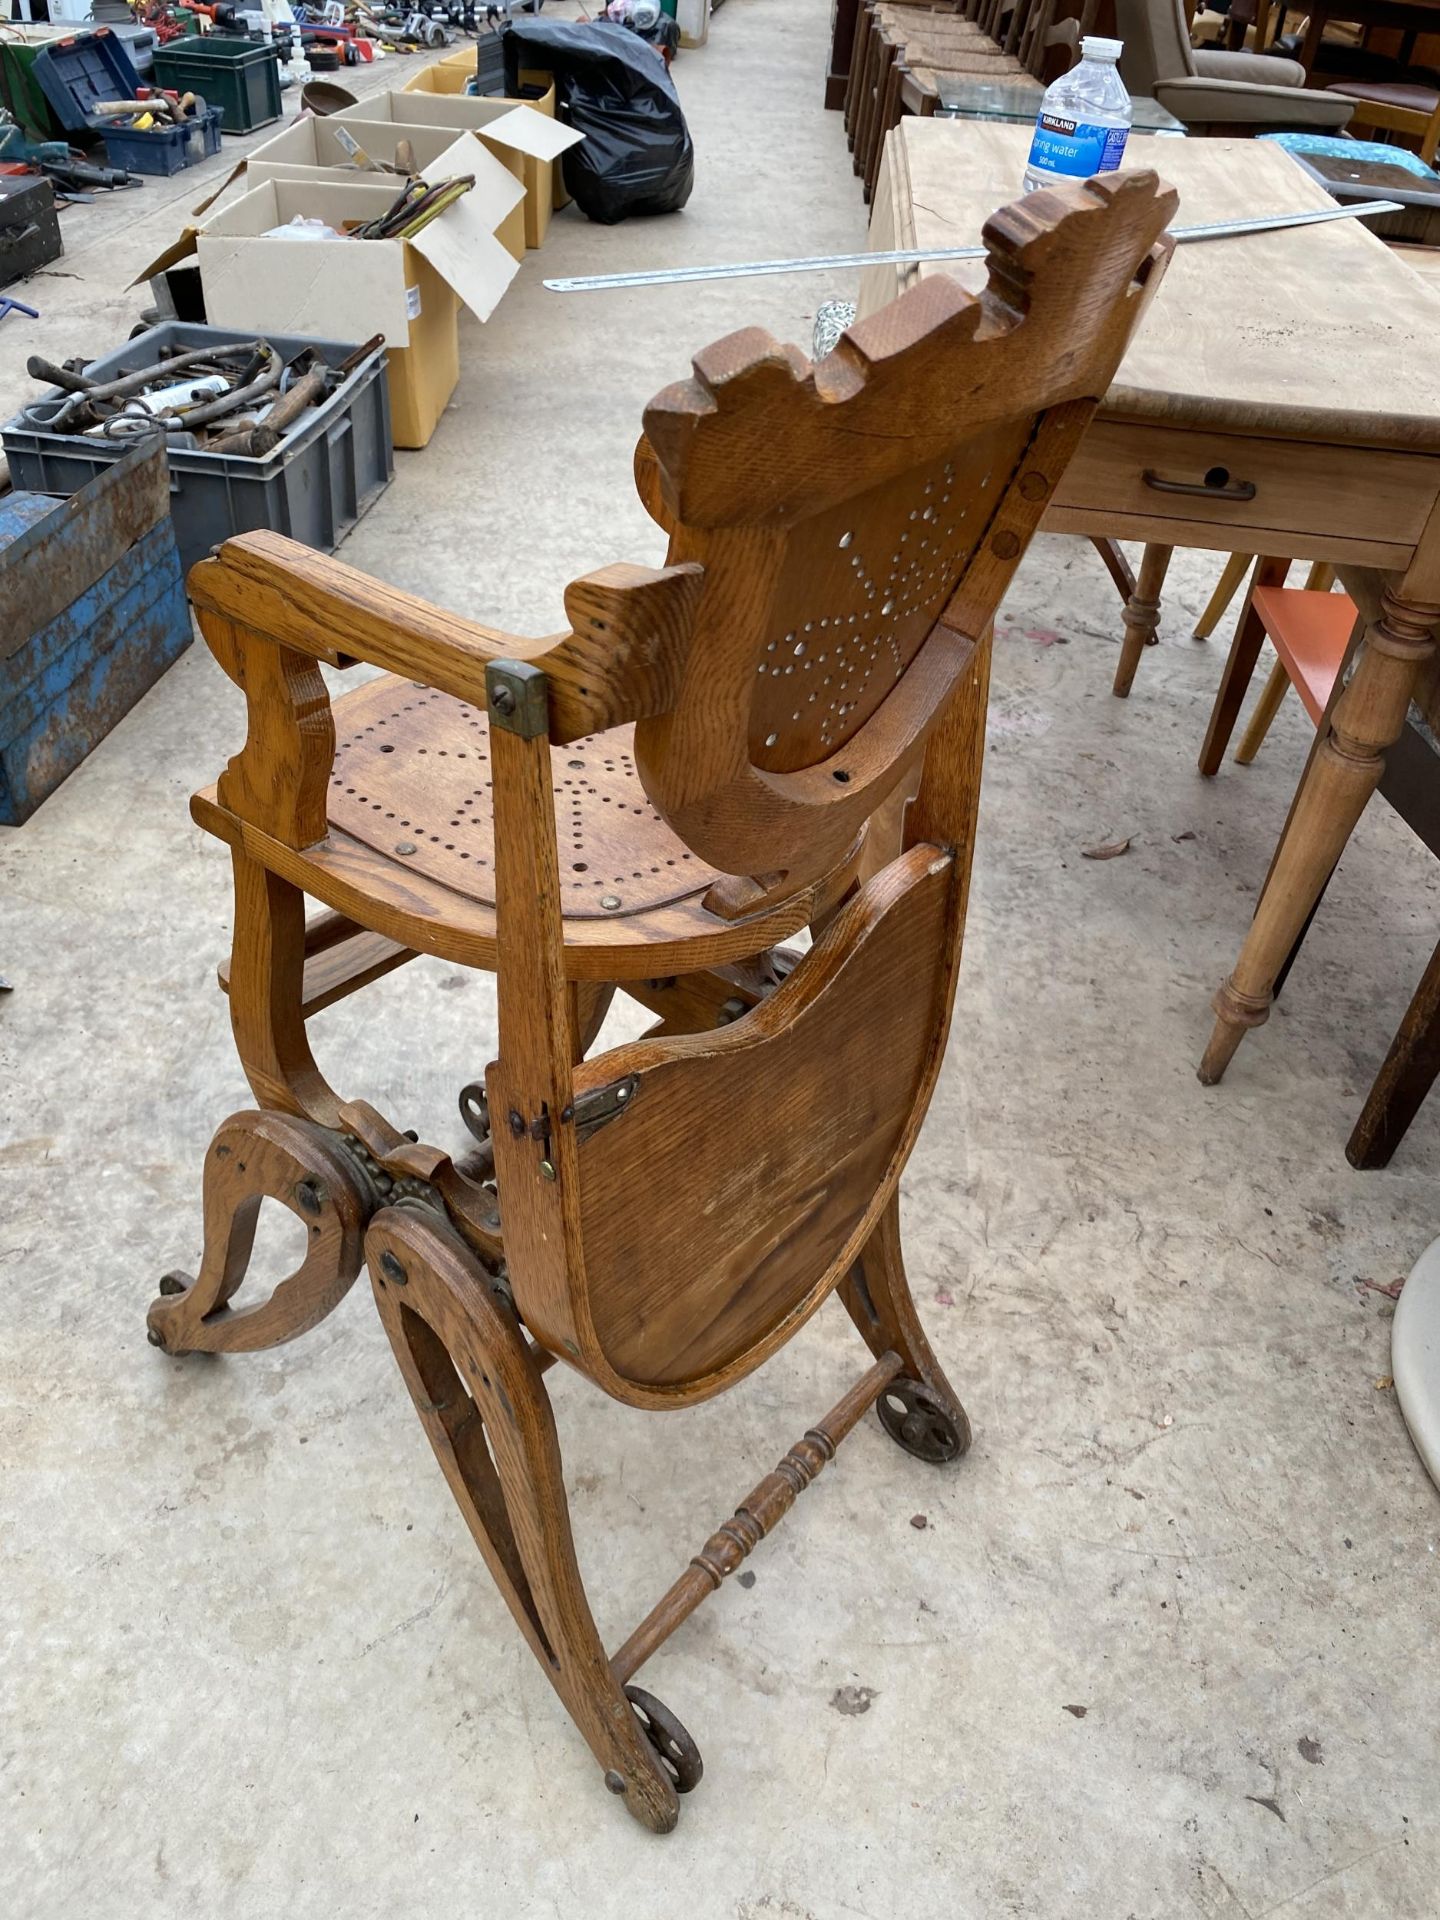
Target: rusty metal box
<point>92,611</point>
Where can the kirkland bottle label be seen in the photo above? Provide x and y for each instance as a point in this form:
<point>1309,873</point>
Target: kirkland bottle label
<point>1074,148</point>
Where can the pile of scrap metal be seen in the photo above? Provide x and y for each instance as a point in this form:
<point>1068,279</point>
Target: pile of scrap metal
<point>239,399</point>
<point>159,17</point>
<point>414,207</point>
<point>408,24</point>
<point>417,203</point>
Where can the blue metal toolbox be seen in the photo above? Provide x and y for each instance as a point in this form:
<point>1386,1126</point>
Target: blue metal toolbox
<point>92,611</point>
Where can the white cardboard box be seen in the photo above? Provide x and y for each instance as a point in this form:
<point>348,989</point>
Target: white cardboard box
<point>304,286</point>
<point>316,148</point>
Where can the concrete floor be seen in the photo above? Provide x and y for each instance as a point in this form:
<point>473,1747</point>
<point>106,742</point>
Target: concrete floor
<point>1165,1646</point>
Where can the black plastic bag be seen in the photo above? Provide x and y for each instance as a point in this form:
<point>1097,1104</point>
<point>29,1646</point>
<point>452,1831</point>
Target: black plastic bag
<point>637,155</point>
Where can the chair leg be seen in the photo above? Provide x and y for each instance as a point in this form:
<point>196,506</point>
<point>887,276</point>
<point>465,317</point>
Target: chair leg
<point>1266,708</point>
<point>267,985</point>
<point>589,1004</point>
<point>865,104</point>
<point>258,1156</point>
<point>858,48</point>
<point>1141,616</point>
<point>1244,652</point>
<point>1404,1080</point>
<point>920,1411</point>
<point>1116,565</point>
<point>1226,587</point>
<point>476,1384</point>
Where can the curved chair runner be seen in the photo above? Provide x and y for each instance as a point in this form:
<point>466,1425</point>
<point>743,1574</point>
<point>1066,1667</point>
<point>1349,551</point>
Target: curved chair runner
<point>699,768</point>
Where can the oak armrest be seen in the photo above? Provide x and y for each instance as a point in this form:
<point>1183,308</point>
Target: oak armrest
<point>621,660</point>
<point>290,595</point>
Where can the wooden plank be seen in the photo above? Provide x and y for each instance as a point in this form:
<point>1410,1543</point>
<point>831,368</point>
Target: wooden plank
<point>1317,543</point>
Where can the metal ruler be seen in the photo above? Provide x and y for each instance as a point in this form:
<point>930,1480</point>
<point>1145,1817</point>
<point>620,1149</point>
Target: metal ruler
<point>906,256</point>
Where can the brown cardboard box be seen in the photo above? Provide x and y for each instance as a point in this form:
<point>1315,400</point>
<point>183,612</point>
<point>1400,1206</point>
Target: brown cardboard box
<point>409,291</point>
<point>525,129</point>
<point>424,374</point>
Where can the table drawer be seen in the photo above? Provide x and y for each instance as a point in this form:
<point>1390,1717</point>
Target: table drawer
<point>1159,472</point>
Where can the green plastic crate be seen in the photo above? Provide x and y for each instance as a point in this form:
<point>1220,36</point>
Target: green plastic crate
<point>241,77</point>
<point>20,90</point>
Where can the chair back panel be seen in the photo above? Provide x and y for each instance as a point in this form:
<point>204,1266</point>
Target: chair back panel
<point>1157,43</point>
<point>857,599</point>
<point>784,1129</point>
<point>840,508</point>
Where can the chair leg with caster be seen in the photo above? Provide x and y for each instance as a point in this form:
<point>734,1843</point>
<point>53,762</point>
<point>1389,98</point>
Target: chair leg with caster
<point>476,1384</point>
<point>919,1410</point>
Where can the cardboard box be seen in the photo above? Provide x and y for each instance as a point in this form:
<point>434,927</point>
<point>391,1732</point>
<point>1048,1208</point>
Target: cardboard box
<point>410,291</point>
<point>453,74</point>
<point>314,148</point>
<point>519,127</point>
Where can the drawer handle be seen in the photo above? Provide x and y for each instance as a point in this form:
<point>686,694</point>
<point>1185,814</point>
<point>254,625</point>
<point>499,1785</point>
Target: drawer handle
<point>1217,485</point>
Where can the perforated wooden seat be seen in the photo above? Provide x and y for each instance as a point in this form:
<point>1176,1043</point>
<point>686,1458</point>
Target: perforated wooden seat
<point>412,785</point>
<point>409,818</point>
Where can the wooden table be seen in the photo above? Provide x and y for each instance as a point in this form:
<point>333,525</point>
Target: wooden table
<point>1282,397</point>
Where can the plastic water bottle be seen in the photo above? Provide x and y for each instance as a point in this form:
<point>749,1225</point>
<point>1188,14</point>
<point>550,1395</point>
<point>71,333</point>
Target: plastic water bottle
<point>1084,120</point>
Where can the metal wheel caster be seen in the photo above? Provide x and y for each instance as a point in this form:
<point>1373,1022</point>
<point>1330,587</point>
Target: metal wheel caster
<point>917,1419</point>
<point>674,1748</point>
<point>170,1285</point>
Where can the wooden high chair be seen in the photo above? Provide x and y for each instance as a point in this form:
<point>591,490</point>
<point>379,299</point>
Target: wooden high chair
<point>713,758</point>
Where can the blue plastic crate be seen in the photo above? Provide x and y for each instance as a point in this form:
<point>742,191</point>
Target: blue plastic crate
<point>165,149</point>
<point>76,72</point>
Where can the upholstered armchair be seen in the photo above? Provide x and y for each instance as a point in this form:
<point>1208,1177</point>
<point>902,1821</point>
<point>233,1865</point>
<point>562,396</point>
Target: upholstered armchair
<point>1214,92</point>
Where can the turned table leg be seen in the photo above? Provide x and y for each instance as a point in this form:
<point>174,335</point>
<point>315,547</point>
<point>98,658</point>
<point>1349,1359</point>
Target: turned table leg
<point>1344,771</point>
<point>1141,615</point>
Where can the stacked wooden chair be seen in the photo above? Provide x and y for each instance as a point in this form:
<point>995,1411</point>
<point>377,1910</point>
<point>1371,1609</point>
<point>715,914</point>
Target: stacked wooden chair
<point>904,52</point>
<point>714,757</point>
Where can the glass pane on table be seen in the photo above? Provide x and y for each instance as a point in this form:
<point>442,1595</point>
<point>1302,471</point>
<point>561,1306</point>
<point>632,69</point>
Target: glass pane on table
<point>964,98</point>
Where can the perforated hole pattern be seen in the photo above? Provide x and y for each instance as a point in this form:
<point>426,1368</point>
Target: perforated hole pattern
<point>412,779</point>
<point>858,596</point>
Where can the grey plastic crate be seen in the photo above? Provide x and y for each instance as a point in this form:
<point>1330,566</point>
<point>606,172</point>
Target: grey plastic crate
<point>331,466</point>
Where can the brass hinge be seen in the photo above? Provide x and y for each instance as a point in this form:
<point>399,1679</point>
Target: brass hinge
<point>601,1105</point>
